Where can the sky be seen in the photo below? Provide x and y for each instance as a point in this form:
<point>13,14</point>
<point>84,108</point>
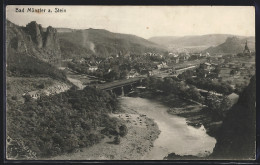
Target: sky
<point>144,21</point>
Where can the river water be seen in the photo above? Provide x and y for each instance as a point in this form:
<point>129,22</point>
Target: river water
<point>176,136</point>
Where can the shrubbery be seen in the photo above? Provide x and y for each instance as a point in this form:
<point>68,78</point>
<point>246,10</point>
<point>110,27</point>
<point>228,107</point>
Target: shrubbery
<point>27,66</point>
<point>60,123</point>
<point>173,86</point>
<point>209,85</point>
<point>218,105</point>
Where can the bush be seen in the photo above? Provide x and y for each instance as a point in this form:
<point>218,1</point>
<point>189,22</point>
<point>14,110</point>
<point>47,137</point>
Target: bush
<point>41,86</point>
<point>123,130</point>
<point>117,140</point>
<point>14,97</point>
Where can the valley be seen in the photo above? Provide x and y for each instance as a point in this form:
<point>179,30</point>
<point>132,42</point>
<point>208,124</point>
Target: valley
<point>96,95</point>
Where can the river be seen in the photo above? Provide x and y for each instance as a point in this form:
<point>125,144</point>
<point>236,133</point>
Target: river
<point>176,136</point>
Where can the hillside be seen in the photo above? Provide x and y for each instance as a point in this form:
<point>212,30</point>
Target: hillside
<point>232,45</point>
<point>237,141</point>
<point>61,123</point>
<point>33,40</point>
<point>195,43</point>
<point>23,65</point>
<point>103,43</point>
<point>32,57</point>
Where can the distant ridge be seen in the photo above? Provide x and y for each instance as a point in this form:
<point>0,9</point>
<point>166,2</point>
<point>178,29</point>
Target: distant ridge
<point>103,43</point>
<point>196,42</point>
<point>232,45</point>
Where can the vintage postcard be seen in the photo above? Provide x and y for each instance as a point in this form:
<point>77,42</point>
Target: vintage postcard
<point>130,83</point>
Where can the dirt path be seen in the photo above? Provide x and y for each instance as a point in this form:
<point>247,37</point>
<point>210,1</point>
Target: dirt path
<point>76,82</point>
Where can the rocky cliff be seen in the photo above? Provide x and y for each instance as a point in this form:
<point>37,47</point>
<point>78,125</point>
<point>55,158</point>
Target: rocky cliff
<point>237,135</point>
<point>33,41</point>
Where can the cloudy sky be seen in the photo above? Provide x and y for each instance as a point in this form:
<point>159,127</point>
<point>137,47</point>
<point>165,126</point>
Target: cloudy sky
<point>145,21</point>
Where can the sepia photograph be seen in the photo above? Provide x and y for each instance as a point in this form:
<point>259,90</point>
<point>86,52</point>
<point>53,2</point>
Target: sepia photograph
<point>130,82</point>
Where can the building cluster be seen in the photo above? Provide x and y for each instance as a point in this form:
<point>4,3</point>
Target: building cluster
<point>92,65</point>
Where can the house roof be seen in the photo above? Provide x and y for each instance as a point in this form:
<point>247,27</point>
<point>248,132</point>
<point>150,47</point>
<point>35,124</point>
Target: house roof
<point>207,63</point>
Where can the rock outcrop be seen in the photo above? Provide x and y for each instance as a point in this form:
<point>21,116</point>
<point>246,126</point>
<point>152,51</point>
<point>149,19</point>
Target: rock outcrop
<point>236,138</point>
<point>36,32</point>
<point>33,41</point>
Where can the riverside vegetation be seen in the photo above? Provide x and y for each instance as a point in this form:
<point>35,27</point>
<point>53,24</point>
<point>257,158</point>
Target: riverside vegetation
<point>235,141</point>
<point>61,123</point>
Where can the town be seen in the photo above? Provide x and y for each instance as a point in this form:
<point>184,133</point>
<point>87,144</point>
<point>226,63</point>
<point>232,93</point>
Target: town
<point>217,68</point>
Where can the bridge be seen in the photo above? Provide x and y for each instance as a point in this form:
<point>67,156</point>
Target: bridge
<point>120,84</point>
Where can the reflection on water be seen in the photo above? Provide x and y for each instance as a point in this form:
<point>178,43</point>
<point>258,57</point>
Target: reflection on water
<point>176,136</point>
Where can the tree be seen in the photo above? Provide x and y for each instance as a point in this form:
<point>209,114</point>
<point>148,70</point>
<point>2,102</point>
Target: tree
<point>201,72</point>
<point>14,97</point>
<point>41,86</point>
<point>224,106</point>
<point>193,93</point>
<point>27,98</point>
<point>123,130</point>
<point>217,70</point>
<point>218,105</point>
<point>123,74</point>
<point>232,72</point>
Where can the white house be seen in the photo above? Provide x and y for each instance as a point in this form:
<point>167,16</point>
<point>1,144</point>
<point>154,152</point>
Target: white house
<point>93,68</point>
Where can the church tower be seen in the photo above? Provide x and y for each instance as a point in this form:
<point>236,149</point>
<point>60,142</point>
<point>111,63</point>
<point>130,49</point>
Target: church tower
<point>246,50</point>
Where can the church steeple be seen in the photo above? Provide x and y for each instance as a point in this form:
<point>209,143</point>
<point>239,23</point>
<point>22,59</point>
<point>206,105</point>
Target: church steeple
<point>246,50</point>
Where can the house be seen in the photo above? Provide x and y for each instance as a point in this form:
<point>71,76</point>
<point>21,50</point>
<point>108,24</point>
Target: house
<point>159,66</point>
<point>195,56</point>
<point>175,60</point>
<point>133,73</point>
<point>221,60</point>
<point>150,73</point>
<point>93,68</point>
<point>82,60</point>
<point>184,57</point>
<point>206,54</point>
<point>162,65</point>
<point>33,94</point>
<point>206,66</point>
<point>109,70</point>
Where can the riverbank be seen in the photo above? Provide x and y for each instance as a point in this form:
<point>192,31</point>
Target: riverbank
<point>142,132</point>
<point>196,115</point>
<point>176,135</point>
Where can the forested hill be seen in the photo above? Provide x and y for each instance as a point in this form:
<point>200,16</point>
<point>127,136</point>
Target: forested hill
<point>233,45</point>
<point>236,137</point>
<point>103,43</point>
